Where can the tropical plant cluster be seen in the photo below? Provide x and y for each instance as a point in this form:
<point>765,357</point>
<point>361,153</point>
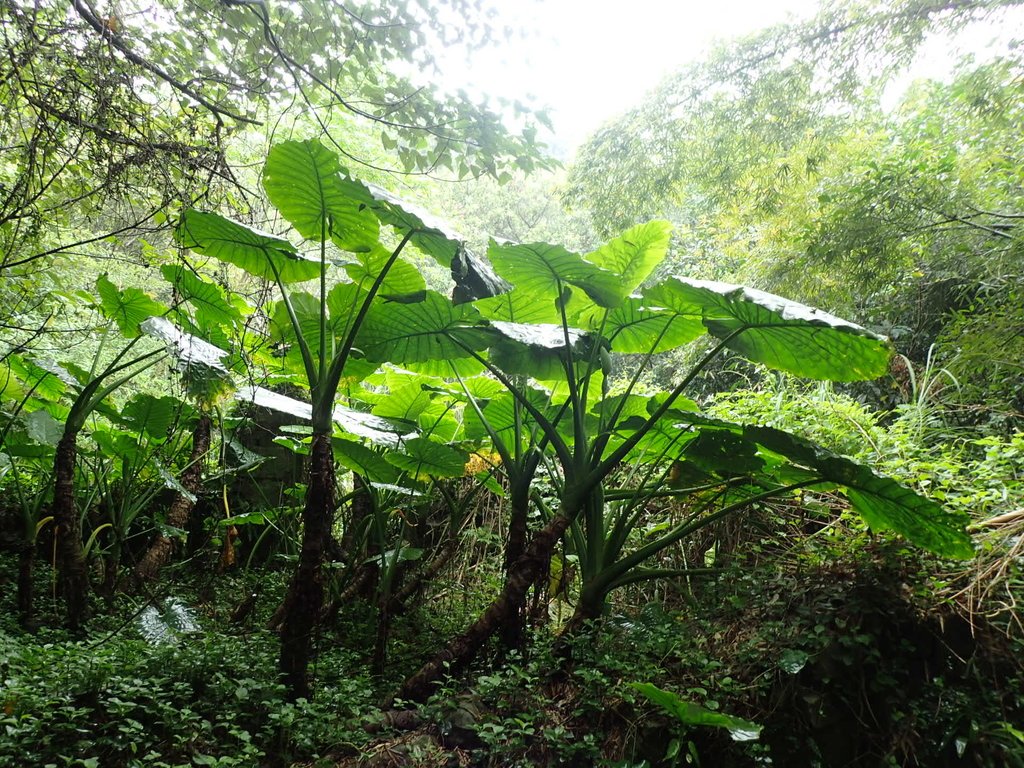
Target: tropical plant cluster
<point>302,475</point>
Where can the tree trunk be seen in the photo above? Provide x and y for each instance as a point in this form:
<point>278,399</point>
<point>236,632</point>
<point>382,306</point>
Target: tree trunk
<point>26,566</point>
<point>512,627</point>
<point>74,577</point>
<point>306,592</point>
<point>463,649</point>
<point>162,548</point>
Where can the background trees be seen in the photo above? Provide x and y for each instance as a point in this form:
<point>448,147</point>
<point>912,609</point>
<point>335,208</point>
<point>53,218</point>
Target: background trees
<point>787,161</point>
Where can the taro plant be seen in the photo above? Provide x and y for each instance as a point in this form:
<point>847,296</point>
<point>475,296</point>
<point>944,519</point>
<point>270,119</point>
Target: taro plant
<point>26,475</point>
<point>356,277</point>
<point>552,328</point>
<point>207,312</point>
<point>562,331</point>
<point>130,468</point>
<point>87,390</point>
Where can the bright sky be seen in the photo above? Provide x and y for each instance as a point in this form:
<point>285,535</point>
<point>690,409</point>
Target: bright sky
<point>589,60</point>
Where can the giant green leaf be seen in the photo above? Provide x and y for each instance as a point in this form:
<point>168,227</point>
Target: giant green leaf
<point>20,375</point>
<point>539,350</point>
<point>688,713</point>
<point>474,277</point>
<point>425,458</point>
<point>256,252</point>
<point>145,413</point>
<point>128,307</point>
<point>364,461</point>
<point>520,306</point>
<point>634,254</point>
<point>777,332</point>
<point>42,428</point>
<point>634,328</point>
<point>206,377</point>
<point>723,452</point>
<point>402,278</point>
<point>303,180</point>
<point>408,401</point>
<point>543,271</point>
<point>452,366</point>
<point>211,305</point>
<point>663,439</point>
<point>431,329</point>
<point>385,432</point>
<point>881,501</point>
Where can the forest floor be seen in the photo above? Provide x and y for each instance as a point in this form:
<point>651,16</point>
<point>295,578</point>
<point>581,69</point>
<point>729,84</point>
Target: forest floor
<point>843,658</point>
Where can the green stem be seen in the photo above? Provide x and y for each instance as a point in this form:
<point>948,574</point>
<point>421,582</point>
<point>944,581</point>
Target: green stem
<point>697,521</point>
<point>561,449</point>
<point>312,373</point>
<point>339,360</point>
<point>597,475</point>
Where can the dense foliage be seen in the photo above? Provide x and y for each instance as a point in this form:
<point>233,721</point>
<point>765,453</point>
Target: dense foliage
<point>303,476</point>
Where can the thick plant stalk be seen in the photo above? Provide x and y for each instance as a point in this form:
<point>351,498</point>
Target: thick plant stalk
<point>162,548</point>
<point>74,577</point>
<point>512,628</point>
<point>306,592</point>
<point>462,649</point>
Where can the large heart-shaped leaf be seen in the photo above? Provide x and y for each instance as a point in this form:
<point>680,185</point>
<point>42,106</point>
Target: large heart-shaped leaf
<point>378,430</point>
<point>364,461</point>
<point>539,350</point>
<point>42,428</point>
<point>402,278</point>
<point>688,713</point>
<point>151,415</point>
<point>208,299</point>
<point>409,400</point>
<point>474,277</point>
<point>635,328</point>
<point>634,254</point>
<point>520,306</point>
<point>127,308</point>
<point>544,271</point>
<point>256,252</point>
<point>431,329</point>
<point>46,380</point>
<point>303,180</point>
<point>206,377</point>
<point>424,458</point>
<point>777,332</point>
<point>188,350</point>
<point>882,502</point>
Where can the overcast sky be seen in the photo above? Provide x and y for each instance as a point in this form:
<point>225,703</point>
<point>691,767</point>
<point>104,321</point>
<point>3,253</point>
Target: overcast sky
<point>589,60</point>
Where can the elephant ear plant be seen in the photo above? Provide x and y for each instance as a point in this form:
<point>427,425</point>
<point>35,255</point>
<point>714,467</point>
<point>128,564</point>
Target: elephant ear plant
<point>554,331</point>
<point>125,309</point>
<point>356,277</point>
<point>572,323</point>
